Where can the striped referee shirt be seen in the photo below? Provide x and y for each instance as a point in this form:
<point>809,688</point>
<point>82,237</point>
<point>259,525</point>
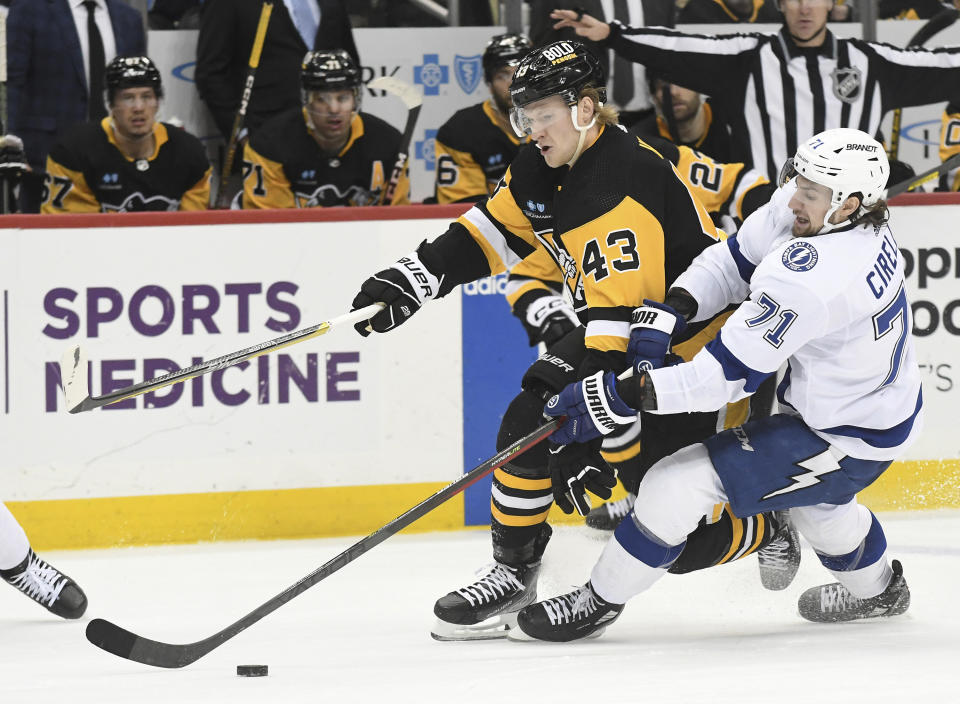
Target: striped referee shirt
<point>774,94</point>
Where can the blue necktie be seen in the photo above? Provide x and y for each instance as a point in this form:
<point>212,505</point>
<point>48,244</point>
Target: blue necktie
<point>305,21</point>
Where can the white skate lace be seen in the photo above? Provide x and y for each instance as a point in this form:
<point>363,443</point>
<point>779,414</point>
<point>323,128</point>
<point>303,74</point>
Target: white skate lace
<point>498,580</point>
<point>568,607</point>
<point>835,597</point>
<point>40,581</point>
<point>776,554</point>
<point>618,509</point>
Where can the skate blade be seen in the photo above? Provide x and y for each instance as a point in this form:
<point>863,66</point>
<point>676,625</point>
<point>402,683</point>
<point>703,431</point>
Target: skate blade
<point>517,635</point>
<point>492,628</point>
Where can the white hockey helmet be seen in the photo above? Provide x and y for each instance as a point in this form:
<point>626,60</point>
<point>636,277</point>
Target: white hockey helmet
<point>846,161</point>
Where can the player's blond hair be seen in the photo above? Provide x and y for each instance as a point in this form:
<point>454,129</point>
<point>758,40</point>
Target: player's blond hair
<point>606,115</point>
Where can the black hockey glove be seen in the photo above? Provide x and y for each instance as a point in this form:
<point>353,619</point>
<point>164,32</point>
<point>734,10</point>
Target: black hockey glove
<point>576,469</point>
<point>548,318</point>
<point>404,287</point>
<point>13,160</point>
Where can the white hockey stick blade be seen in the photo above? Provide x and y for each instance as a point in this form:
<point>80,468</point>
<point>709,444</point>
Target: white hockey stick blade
<point>73,376</point>
<point>409,94</point>
<point>73,364</point>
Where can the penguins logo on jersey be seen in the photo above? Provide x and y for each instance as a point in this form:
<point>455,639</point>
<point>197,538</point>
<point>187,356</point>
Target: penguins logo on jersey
<point>800,256</point>
<point>136,203</point>
<point>328,195</point>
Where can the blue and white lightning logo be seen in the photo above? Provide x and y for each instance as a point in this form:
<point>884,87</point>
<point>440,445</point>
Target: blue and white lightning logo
<point>800,256</point>
<point>816,466</point>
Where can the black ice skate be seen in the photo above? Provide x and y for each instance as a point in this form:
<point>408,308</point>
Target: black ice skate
<point>780,558</point>
<point>831,603</point>
<point>577,614</point>
<point>47,586</point>
<point>487,608</point>
<point>607,516</point>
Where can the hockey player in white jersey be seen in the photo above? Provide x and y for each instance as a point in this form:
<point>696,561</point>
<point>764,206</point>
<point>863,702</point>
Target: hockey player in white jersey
<point>23,569</point>
<point>820,284</point>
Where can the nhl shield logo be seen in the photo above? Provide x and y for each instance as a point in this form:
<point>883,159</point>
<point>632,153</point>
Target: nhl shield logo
<point>846,83</point>
<point>467,70</point>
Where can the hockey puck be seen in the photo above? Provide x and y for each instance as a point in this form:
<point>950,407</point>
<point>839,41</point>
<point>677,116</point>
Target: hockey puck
<point>252,670</point>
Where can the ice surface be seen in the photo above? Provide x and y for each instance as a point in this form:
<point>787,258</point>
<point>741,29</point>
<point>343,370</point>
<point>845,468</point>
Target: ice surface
<point>362,635</point>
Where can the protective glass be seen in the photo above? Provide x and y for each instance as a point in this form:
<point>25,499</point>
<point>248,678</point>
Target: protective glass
<point>808,3</point>
<point>129,99</point>
<point>332,100</point>
<point>787,172</point>
<point>538,116</point>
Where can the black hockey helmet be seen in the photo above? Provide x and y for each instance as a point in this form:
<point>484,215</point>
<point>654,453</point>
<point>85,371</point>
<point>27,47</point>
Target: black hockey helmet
<point>561,68</point>
<point>131,72</point>
<point>329,70</point>
<point>504,50</point>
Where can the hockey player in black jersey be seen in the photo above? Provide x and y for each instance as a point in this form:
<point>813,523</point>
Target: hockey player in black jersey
<point>326,152</point>
<point>617,220</point>
<point>729,192</point>
<point>128,161</point>
<point>950,145</point>
<point>683,117</point>
<point>476,145</point>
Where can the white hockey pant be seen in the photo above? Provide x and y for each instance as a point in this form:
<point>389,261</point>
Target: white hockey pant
<point>14,545</point>
<point>680,490</point>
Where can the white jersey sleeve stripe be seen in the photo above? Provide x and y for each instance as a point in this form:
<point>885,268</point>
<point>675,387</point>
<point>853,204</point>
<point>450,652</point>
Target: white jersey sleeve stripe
<point>949,58</point>
<point>493,236</point>
<point>614,328</point>
<point>663,38</point>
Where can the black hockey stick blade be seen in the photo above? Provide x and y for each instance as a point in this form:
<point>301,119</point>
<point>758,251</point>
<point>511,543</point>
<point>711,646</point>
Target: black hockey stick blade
<point>928,175</point>
<point>125,644</point>
<point>74,376</point>
<point>934,25</point>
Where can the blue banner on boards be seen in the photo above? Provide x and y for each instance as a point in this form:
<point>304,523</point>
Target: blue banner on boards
<point>495,356</point>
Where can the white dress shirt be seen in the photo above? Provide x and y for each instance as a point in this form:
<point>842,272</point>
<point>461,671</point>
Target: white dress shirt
<point>102,18</point>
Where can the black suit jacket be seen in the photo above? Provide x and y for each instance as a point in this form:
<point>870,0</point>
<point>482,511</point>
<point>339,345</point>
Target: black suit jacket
<point>227,30</point>
<point>46,83</point>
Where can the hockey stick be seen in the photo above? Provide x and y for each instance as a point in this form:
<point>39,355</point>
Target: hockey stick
<point>126,644</point>
<point>413,99</point>
<point>73,364</point>
<point>928,175</point>
<point>3,78</point>
<point>238,121</point>
<point>934,25</point>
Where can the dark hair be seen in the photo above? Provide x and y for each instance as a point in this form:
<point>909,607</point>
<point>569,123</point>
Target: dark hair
<point>875,215</point>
